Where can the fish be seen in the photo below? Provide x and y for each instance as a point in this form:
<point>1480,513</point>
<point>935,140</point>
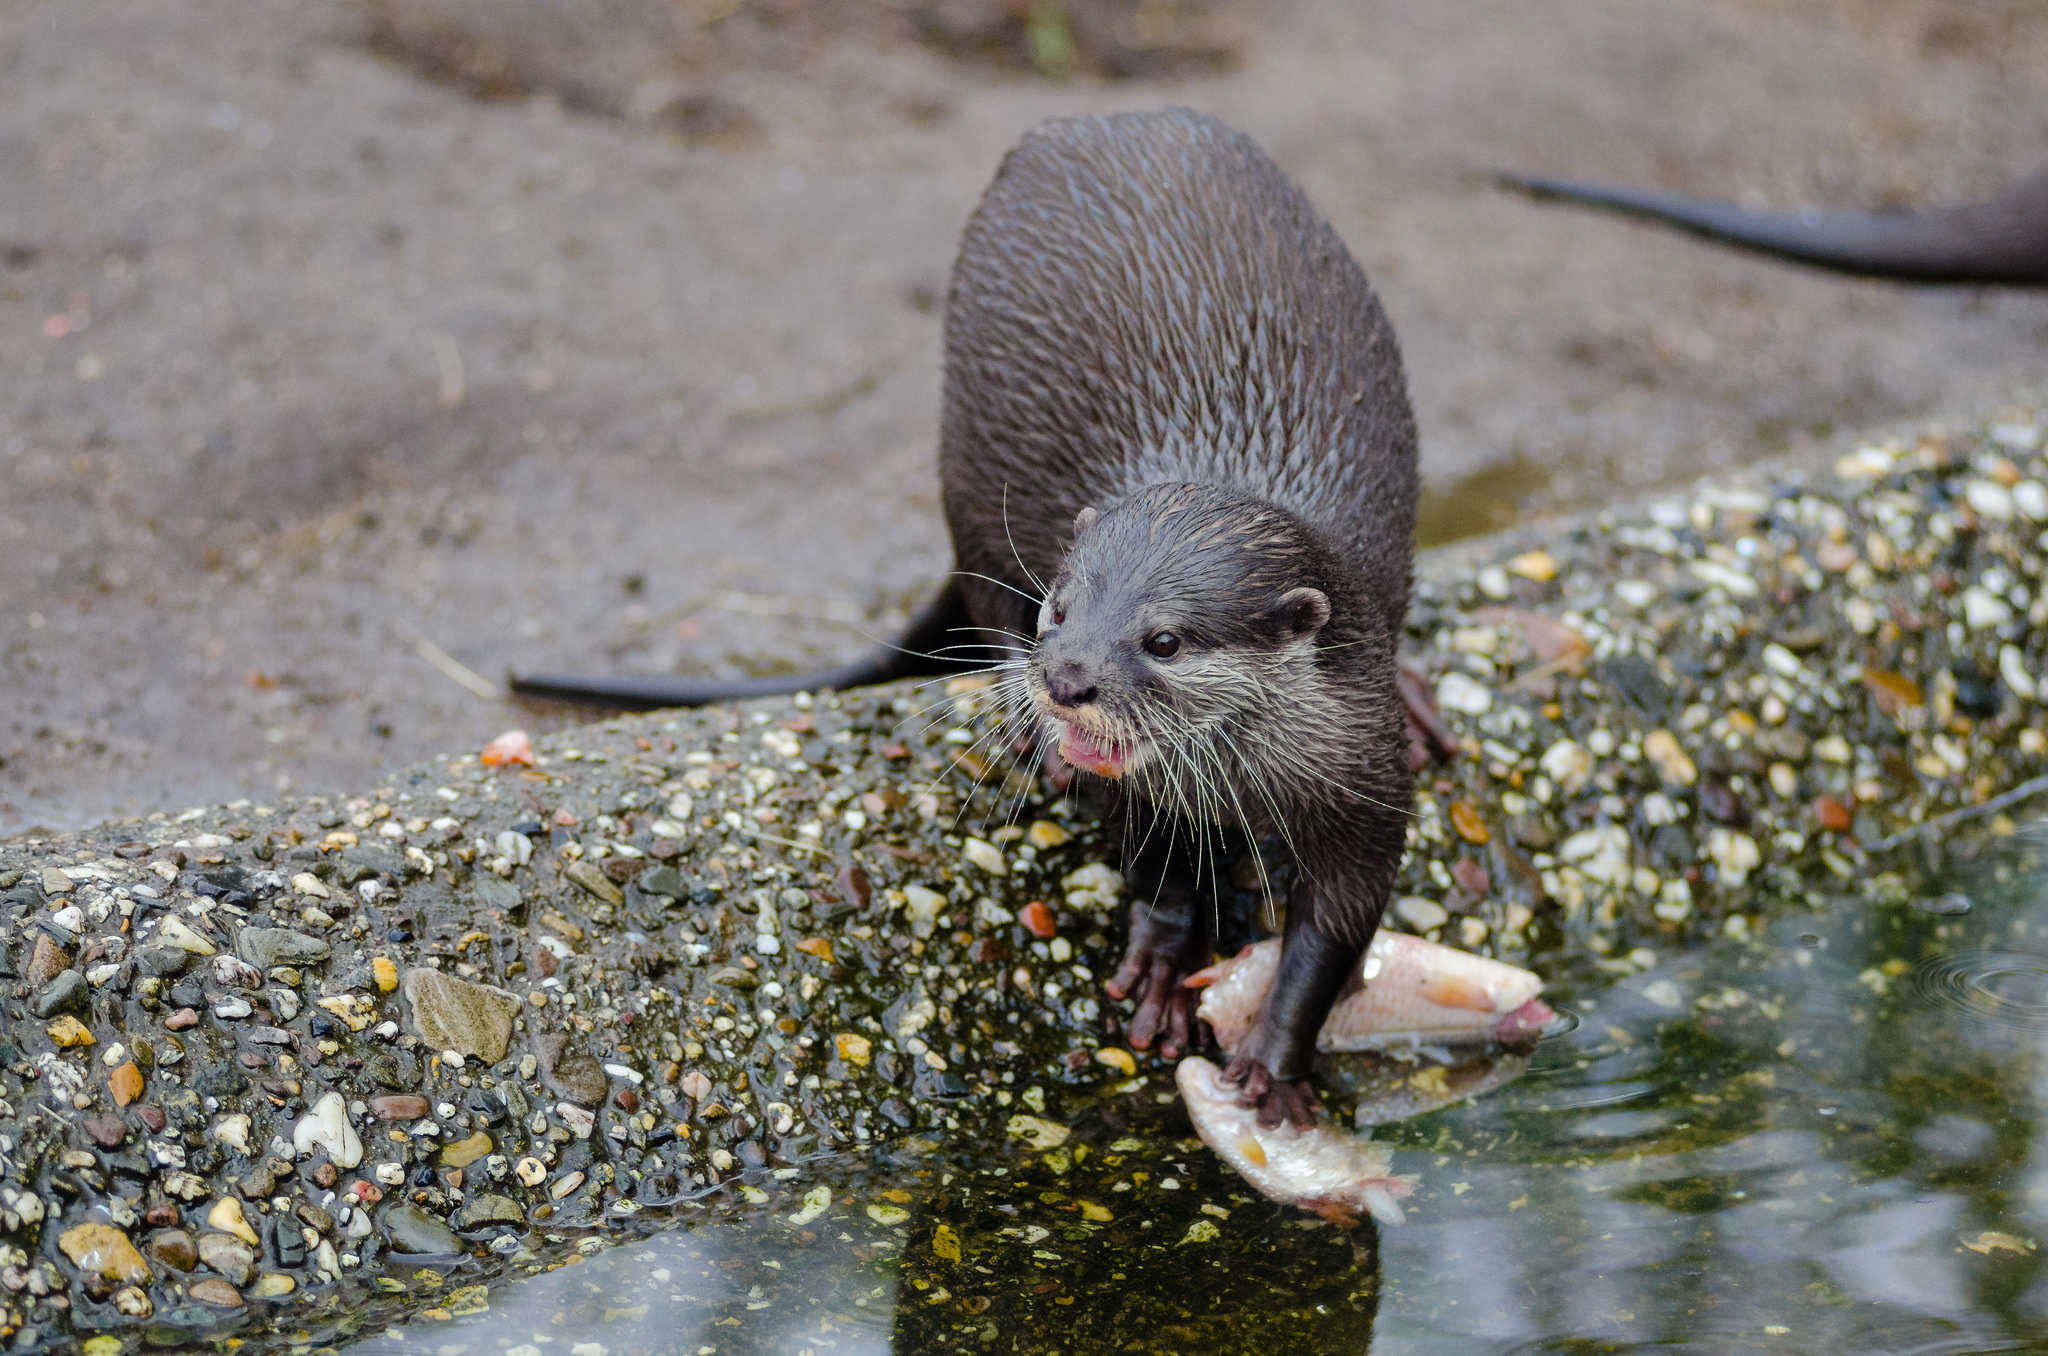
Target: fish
<point>1340,1176</point>
<point>1414,992</point>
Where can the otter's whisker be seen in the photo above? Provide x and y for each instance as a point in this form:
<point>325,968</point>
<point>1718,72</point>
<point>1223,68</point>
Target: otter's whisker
<point>1036,582</point>
<point>1001,583</point>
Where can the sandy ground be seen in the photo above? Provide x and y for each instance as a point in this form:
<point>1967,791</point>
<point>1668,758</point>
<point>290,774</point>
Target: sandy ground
<point>307,358</point>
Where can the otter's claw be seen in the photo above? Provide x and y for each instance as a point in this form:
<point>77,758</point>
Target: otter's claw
<point>1162,953</point>
<point>1165,1008</point>
<point>1278,1099</point>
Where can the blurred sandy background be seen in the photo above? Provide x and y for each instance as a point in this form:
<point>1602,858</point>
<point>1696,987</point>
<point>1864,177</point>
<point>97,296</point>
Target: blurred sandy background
<point>603,334</point>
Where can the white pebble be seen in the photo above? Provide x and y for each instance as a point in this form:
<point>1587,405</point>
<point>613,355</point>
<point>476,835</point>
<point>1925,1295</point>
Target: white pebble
<point>1989,498</point>
<point>985,855</point>
<point>1663,993</point>
<point>233,1131</point>
<point>1421,914</point>
<point>1736,581</point>
<point>326,1126</point>
<point>2031,498</point>
<point>1459,693</point>
<point>1735,853</point>
<point>1781,661</point>
<point>1983,609</point>
<point>174,932</point>
<point>1567,764</point>
<point>1636,592</point>
<point>2012,666</point>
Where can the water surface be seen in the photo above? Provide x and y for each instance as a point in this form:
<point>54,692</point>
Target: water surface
<point>1815,1131</point>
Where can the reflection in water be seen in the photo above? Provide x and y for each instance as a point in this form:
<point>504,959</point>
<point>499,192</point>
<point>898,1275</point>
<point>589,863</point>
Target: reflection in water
<point>710,1290</point>
<point>1127,1236</point>
<point>1816,1135</point>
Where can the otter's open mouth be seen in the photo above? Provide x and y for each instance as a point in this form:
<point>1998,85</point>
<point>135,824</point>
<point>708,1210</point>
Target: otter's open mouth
<point>1093,753</point>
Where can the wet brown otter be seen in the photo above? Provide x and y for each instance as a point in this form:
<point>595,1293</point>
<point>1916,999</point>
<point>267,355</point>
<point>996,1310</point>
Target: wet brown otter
<point>1180,474</point>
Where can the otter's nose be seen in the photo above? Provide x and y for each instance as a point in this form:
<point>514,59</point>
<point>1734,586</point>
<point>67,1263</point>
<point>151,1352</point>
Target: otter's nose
<point>1070,685</point>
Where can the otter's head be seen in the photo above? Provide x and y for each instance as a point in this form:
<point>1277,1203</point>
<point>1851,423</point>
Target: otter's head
<point>1181,628</point>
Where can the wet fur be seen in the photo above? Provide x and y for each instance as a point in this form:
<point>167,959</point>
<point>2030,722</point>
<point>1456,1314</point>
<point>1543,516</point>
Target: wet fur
<point>1149,320</point>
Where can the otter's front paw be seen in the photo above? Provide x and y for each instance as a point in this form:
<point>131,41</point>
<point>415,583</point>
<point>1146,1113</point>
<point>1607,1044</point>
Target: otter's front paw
<point>1277,1099</point>
<point>1161,955</point>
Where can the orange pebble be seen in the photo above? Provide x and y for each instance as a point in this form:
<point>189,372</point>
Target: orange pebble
<point>1831,814</point>
<point>1037,917</point>
<point>1465,819</point>
<point>508,748</point>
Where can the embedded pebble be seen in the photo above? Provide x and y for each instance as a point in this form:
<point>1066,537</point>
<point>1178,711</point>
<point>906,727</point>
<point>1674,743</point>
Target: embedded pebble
<point>1456,692</point>
<point>474,1020</point>
<point>175,1249</point>
<point>105,1251</point>
<point>173,932</point>
<point>232,1257</point>
<point>327,1127</point>
<point>412,1230</point>
<point>226,1216</point>
<point>211,1290</point>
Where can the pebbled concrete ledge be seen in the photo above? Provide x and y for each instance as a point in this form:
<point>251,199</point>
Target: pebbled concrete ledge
<point>265,1066</point>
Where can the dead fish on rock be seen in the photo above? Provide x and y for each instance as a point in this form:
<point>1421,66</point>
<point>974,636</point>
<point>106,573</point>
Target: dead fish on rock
<point>1415,992</point>
<point>1337,1175</point>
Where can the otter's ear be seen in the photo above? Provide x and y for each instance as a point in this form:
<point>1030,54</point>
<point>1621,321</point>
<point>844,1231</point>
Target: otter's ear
<point>1301,612</point>
<point>1084,520</point>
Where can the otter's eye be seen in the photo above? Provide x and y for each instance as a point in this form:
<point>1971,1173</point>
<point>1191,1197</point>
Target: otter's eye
<point>1162,644</point>
<point>1059,615</point>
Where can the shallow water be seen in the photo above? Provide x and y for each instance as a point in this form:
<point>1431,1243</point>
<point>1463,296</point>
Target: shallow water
<point>1814,1132</point>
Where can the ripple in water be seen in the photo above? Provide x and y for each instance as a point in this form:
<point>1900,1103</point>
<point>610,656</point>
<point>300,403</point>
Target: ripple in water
<point>1562,1023</point>
<point>1998,988</point>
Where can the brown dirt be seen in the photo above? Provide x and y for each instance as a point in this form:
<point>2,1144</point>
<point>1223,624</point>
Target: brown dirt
<point>320,340</point>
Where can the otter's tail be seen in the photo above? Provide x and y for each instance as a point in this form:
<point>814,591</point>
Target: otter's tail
<point>2003,240</point>
<point>933,634</point>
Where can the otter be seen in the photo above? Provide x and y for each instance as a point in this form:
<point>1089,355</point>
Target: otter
<point>2000,241</point>
<point>1179,471</point>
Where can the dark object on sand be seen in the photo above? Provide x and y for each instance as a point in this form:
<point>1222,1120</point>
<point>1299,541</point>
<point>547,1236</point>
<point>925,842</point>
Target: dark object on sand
<point>2003,241</point>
